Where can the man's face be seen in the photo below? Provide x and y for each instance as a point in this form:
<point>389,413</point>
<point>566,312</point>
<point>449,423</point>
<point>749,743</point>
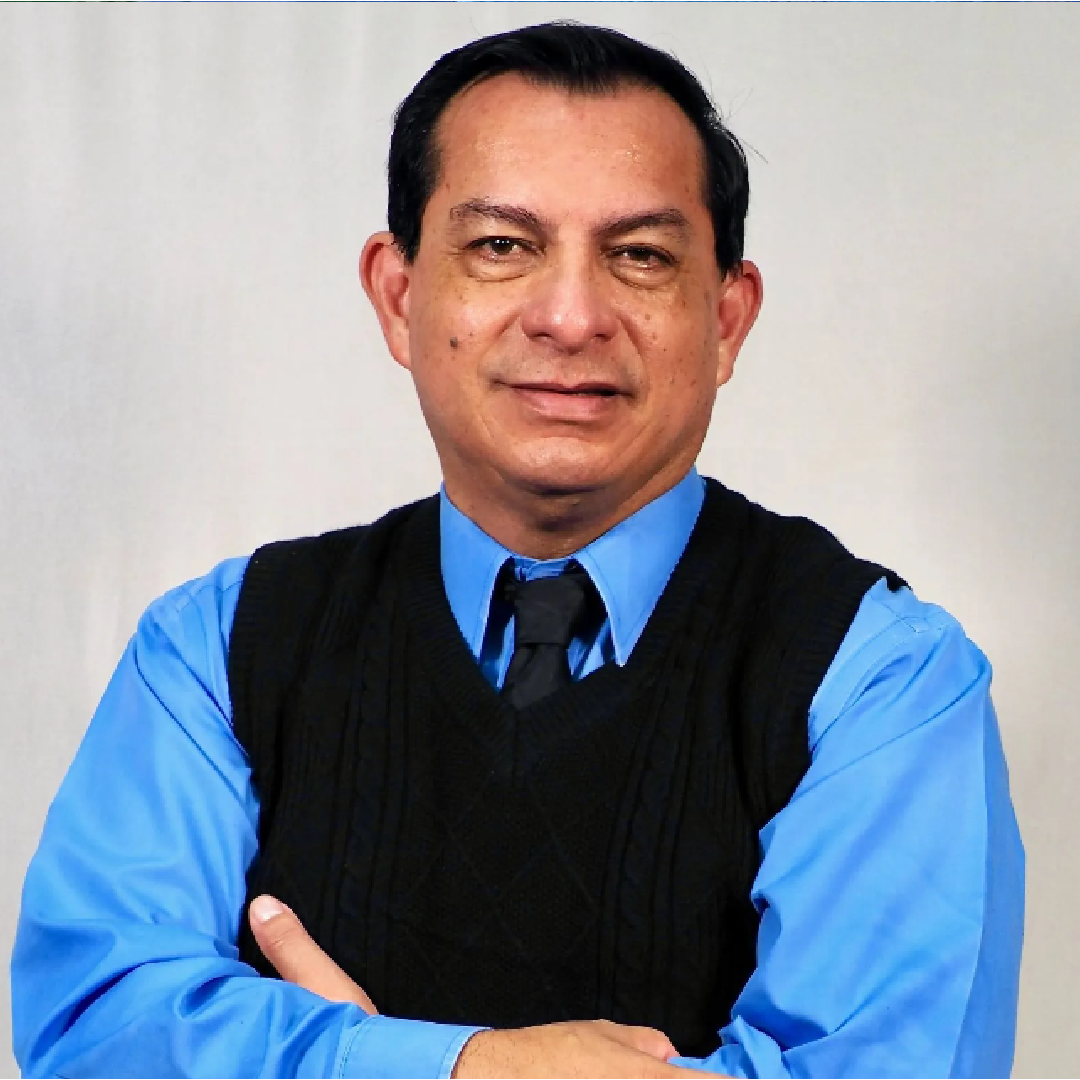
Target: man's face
<point>564,316</point>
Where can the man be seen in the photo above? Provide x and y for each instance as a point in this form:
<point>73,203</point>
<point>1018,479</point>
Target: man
<point>587,766</point>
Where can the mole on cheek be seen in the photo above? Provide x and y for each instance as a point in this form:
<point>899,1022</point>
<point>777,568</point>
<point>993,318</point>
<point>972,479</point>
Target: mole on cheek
<point>453,343</point>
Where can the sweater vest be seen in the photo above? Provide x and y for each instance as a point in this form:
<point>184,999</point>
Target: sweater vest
<point>590,856</point>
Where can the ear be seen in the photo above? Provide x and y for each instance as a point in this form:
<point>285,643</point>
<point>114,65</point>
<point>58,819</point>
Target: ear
<point>385,275</point>
<point>740,303</point>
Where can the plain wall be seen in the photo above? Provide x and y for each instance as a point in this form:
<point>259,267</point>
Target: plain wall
<point>188,367</point>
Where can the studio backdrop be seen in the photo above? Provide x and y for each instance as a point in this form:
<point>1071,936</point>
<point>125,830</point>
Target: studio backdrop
<point>188,367</point>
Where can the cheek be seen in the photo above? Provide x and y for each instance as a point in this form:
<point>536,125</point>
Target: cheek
<point>677,351</point>
<point>469,332</point>
<point>449,357</point>
<point>448,304</point>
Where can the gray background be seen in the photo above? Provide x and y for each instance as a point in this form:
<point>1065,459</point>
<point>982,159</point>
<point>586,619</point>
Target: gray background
<point>188,366</point>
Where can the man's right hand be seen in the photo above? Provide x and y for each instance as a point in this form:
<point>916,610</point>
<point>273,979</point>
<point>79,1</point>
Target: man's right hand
<point>593,1048</point>
<point>586,1048</point>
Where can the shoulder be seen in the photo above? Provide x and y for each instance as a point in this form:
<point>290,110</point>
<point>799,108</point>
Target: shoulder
<point>183,637</point>
<point>908,658</point>
<point>801,588</point>
<point>193,621</point>
<point>324,555</point>
<point>895,659</point>
<point>287,583</point>
<point>177,656</point>
<point>203,606</point>
<point>792,554</point>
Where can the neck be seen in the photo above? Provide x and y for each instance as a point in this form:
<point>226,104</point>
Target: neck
<point>552,524</point>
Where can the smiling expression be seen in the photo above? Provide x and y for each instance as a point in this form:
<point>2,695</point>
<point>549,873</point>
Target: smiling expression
<point>564,319</point>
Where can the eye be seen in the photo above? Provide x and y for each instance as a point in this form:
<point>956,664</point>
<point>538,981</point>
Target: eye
<point>499,247</point>
<point>642,256</point>
<point>499,258</point>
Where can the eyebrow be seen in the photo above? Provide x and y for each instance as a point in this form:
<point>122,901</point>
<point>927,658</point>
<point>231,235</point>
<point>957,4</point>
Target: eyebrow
<point>512,215</point>
<point>667,218</point>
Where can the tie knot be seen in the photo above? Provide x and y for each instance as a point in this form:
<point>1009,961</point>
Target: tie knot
<point>548,610</point>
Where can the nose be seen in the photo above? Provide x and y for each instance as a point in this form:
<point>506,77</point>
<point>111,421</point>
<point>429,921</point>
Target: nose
<point>568,306</point>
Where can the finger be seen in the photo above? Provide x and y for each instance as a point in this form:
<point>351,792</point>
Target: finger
<point>646,1040</point>
<point>296,957</point>
<point>674,1071</point>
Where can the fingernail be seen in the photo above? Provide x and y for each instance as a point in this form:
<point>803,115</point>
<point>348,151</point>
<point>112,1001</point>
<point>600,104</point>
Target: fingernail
<point>264,908</point>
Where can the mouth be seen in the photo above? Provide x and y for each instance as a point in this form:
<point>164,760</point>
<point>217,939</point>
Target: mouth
<point>584,403</point>
<point>574,390</point>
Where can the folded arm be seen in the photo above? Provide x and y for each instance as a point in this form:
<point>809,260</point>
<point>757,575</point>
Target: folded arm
<point>891,889</point>
<point>125,960</point>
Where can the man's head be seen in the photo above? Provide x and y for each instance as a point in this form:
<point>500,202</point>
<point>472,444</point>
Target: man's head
<point>563,274</point>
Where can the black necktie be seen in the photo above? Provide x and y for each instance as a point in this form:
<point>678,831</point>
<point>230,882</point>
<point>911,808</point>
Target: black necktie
<point>546,613</point>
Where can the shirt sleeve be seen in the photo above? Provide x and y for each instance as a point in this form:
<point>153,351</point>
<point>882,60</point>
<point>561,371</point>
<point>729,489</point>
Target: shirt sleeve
<point>892,884</point>
<point>125,960</point>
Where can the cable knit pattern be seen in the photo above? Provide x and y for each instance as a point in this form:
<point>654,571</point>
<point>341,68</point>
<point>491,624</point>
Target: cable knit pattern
<point>590,855</point>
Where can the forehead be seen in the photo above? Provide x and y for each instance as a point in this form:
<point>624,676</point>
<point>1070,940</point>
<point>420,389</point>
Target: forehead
<point>509,138</point>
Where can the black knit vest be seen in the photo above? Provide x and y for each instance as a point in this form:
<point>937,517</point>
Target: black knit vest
<point>589,856</point>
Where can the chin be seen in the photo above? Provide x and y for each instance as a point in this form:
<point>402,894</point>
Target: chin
<point>558,475</point>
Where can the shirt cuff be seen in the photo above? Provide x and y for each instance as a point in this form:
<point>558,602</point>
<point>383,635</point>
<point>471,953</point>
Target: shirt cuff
<point>388,1047</point>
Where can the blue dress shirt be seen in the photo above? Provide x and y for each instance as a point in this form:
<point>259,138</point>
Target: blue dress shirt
<point>891,887</point>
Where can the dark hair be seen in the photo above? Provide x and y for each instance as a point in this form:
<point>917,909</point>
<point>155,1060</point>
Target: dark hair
<point>579,59</point>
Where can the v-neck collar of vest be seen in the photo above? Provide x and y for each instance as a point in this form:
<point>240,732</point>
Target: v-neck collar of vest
<point>518,735</point>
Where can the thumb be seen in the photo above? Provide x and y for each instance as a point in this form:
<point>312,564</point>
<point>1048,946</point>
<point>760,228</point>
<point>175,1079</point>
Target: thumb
<point>296,957</point>
<point>645,1040</point>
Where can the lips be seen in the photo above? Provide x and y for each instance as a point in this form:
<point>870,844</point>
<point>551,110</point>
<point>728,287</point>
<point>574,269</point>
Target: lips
<point>569,403</point>
<point>602,389</point>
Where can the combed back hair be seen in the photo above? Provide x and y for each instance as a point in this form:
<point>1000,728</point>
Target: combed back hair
<point>580,60</point>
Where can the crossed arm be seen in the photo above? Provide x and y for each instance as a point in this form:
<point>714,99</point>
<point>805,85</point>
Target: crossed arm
<point>596,1048</point>
<point>891,888</point>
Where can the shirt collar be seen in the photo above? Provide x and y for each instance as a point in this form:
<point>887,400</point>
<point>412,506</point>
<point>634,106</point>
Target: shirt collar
<point>629,565</point>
